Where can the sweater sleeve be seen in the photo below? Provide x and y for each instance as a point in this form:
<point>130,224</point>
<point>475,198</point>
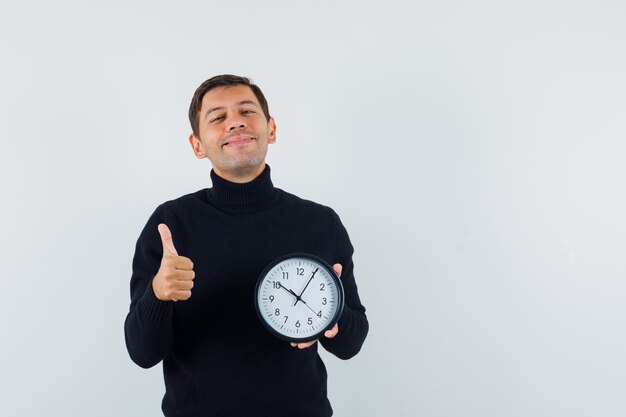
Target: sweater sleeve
<point>353,324</point>
<point>148,327</point>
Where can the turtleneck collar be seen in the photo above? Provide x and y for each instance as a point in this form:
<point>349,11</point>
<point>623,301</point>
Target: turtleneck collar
<point>249,196</point>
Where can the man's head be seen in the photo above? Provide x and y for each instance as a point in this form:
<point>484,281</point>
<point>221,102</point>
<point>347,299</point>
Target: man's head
<point>231,127</point>
<point>224,80</point>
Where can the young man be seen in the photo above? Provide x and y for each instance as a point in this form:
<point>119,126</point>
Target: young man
<point>196,265</point>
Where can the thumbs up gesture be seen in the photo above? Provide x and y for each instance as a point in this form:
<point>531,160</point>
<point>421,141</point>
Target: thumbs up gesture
<point>174,280</point>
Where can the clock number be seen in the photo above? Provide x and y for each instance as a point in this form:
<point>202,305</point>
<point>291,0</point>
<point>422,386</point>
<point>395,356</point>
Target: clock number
<point>324,302</point>
<point>277,312</point>
<point>322,287</point>
<point>285,275</point>
<point>319,314</point>
<point>298,323</point>
<point>286,318</point>
<point>276,284</point>
<point>271,298</point>
<point>299,271</point>
<point>309,321</point>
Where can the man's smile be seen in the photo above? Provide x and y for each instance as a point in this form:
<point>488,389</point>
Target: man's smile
<point>238,140</point>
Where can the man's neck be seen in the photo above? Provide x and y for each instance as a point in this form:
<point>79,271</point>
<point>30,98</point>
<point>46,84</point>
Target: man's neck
<point>240,176</point>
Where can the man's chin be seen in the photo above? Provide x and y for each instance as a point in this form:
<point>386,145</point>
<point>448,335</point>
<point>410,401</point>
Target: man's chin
<point>243,167</point>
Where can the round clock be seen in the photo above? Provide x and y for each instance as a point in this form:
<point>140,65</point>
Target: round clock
<point>298,297</point>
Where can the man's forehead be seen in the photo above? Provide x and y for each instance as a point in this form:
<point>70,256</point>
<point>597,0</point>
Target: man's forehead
<point>227,95</point>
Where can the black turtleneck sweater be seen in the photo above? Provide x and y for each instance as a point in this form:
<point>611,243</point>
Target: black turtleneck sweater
<point>218,359</point>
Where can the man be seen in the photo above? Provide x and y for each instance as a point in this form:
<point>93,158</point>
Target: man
<point>198,259</point>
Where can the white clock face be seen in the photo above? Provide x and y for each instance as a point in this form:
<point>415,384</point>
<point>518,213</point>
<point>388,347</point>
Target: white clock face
<point>299,297</point>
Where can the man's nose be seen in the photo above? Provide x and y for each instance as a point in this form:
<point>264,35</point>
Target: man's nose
<point>236,123</point>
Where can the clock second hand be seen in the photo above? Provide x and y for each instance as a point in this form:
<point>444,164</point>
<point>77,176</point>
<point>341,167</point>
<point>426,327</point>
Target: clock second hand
<point>304,302</point>
<point>304,289</point>
<point>298,298</point>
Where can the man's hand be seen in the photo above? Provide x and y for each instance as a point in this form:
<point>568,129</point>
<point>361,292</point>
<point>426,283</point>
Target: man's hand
<point>174,280</point>
<point>329,334</point>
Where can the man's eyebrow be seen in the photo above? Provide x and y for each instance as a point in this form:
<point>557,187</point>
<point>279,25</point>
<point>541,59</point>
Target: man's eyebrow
<point>248,102</point>
<point>239,103</point>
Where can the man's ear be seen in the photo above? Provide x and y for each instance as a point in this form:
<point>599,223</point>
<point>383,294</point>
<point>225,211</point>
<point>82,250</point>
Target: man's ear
<point>271,125</point>
<point>196,145</point>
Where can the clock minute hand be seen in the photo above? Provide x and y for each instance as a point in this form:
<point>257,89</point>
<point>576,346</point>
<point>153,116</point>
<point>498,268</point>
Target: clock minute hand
<point>307,284</point>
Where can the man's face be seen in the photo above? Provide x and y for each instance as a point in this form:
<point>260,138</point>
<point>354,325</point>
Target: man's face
<point>234,133</point>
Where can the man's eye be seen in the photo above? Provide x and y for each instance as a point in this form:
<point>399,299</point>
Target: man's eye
<point>216,119</point>
<point>247,111</point>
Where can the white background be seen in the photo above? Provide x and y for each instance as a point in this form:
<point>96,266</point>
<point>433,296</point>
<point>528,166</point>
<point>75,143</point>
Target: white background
<point>474,151</point>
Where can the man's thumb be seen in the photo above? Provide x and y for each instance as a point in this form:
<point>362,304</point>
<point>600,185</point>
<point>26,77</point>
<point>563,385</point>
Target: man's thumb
<point>166,239</point>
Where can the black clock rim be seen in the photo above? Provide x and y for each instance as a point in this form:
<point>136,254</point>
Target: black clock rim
<point>332,273</point>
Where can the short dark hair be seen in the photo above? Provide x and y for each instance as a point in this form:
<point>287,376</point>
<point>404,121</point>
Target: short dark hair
<point>224,80</point>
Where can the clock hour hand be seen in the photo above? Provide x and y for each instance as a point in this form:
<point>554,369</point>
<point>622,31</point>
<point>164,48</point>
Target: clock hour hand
<point>289,291</point>
<point>307,284</point>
